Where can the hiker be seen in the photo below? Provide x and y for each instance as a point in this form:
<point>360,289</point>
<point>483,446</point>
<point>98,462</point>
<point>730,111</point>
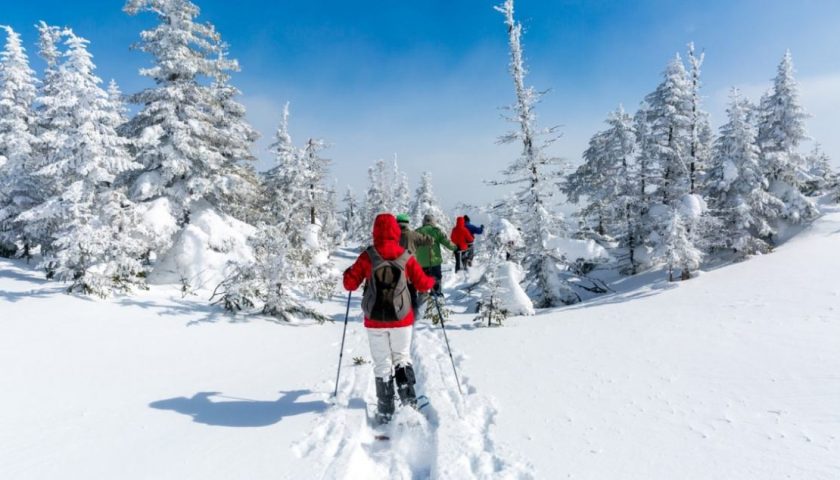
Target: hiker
<point>429,257</point>
<point>472,228</point>
<point>468,256</point>
<point>411,241</point>
<point>386,268</point>
<point>462,238</point>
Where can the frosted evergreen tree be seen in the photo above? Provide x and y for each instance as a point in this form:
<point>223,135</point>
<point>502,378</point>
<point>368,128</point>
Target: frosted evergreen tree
<point>491,308</point>
<point>501,295</point>
<point>781,130</point>
<point>603,177</point>
<point>315,177</point>
<point>669,116</point>
<point>115,96</point>
<point>291,261</point>
<point>378,196</point>
<point>90,237</point>
<point>678,247</point>
<point>284,198</point>
<point>295,188</point>
<point>190,135</point>
<point>17,142</point>
<point>607,181</point>
<point>701,130</point>
<point>821,174</point>
<point>425,202</point>
<point>737,187</point>
<point>402,192</point>
<point>352,216</point>
<point>648,176</point>
<point>536,172</point>
<point>332,229</point>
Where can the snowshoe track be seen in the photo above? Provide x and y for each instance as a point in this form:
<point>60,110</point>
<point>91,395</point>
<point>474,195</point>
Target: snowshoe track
<point>451,439</point>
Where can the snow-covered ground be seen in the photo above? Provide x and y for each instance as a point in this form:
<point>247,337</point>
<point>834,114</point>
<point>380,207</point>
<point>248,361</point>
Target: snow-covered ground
<point>730,375</point>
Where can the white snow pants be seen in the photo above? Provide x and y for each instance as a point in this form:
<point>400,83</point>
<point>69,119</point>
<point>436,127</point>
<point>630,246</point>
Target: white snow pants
<point>389,347</point>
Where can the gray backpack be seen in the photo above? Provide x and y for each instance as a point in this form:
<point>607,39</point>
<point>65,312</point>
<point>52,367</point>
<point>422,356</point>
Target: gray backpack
<point>386,297</point>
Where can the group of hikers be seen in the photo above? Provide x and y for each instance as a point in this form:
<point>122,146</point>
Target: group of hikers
<point>401,265</point>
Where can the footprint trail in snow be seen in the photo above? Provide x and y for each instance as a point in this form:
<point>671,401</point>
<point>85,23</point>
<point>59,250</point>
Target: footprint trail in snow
<point>452,439</point>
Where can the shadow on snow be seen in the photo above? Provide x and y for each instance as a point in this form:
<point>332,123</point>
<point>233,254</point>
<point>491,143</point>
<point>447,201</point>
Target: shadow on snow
<point>240,412</point>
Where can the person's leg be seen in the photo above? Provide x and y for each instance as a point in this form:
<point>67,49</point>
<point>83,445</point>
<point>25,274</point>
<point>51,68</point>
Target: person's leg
<point>437,273</point>
<point>415,302</point>
<point>380,352</point>
<point>401,357</point>
<point>458,257</point>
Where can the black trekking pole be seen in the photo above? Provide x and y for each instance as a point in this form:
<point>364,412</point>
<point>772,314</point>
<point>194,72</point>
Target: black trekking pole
<point>440,314</point>
<point>341,352</point>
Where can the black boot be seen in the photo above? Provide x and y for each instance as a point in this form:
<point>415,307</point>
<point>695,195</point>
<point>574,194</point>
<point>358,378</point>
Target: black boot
<point>405,385</point>
<point>385,399</point>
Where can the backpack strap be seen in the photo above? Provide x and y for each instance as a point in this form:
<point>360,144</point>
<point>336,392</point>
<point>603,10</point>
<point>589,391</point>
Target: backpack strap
<point>375,257</point>
<point>402,260</point>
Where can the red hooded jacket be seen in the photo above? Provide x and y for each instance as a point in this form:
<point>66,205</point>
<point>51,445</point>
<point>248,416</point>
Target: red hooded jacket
<point>386,241</point>
<point>460,236</point>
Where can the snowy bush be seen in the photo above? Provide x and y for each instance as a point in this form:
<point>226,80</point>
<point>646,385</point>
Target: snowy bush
<point>278,279</point>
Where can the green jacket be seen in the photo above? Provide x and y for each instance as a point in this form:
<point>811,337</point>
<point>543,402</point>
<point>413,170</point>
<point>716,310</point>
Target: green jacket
<point>430,256</point>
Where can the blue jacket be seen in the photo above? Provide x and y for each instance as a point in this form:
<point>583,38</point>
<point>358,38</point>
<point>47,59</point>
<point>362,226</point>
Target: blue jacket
<point>475,230</point>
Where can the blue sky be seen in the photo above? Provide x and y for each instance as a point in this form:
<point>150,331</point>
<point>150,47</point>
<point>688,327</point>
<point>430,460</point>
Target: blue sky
<point>426,79</point>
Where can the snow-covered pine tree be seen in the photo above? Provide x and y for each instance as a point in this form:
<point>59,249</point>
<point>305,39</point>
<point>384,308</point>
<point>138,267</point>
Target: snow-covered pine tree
<point>280,202</point>
<point>700,128</point>
<point>49,131</point>
<point>678,250</point>
<point>332,229</point>
<point>315,173</point>
<point>781,130</point>
<point>402,193</point>
<point>91,239</point>
<point>501,294</point>
<point>647,175</point>
<point>737,187</point>
<point>291,261</point>
<point>608,182</point>
<point>491,308</point>
<point>378,195</point>
<point>669,115</point>
<point>190,135</point>
<point>425,202</point>
<point>536,172</point>
<point>351,218</point>
<point>17,142</point>
<point>821,175</point>
<point>115,96</point>
<point>674,140</point>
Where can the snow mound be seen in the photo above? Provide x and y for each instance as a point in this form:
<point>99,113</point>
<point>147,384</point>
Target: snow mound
<point>574,249</point>
<point>507,233</point>
<point>157,224</point>
<point>200,255</point>
<point>511,295</point>
<point>692,206</point>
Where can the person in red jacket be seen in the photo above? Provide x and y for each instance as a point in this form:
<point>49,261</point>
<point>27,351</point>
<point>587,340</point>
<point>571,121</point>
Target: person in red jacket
<point>386,268</point>
<point>462,238</point>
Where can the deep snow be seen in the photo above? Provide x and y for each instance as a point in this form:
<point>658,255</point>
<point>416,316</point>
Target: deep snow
<point>731,375</point>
